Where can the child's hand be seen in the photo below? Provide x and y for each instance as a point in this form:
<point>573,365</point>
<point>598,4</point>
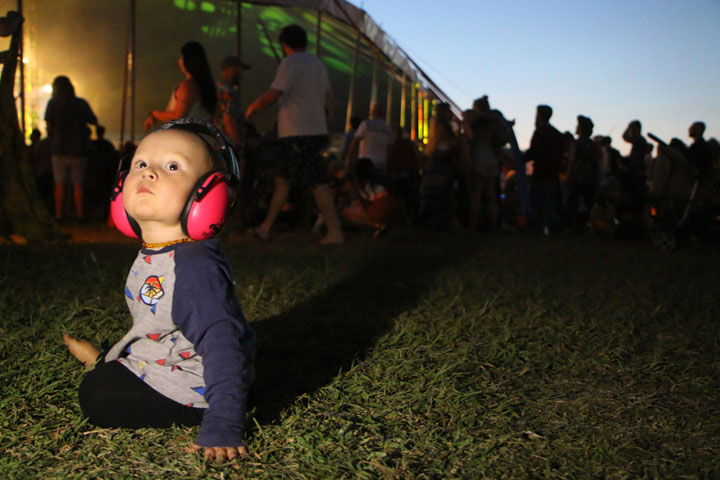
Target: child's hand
<point>219,454</point>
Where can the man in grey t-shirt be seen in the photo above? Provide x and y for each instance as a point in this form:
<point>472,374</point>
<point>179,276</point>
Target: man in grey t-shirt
<point>301,89</point>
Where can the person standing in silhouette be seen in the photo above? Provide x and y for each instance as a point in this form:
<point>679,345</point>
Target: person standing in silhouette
<point>67,118</point>
<point>546,152</point>
<point>699,153</point>
<point>582,174</point>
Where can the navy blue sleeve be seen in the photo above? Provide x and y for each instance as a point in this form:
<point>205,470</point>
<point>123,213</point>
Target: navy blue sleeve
<point>207,311</point>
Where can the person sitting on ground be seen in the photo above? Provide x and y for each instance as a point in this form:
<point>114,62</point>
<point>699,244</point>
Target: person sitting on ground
<point>188,358</point>
<point>373,206</point>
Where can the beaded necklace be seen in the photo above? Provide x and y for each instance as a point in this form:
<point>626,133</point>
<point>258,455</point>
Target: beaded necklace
<point>166,244</point>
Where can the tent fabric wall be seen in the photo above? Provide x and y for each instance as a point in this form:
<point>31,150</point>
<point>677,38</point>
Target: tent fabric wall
<point>358,19</point>
<point>86,41</point>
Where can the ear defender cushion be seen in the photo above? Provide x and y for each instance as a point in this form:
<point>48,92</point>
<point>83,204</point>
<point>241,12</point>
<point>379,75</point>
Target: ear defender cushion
<point>207,207</point>
<point>123,222</point>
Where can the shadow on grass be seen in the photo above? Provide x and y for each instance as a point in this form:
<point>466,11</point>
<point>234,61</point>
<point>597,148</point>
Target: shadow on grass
<point>305,347</point>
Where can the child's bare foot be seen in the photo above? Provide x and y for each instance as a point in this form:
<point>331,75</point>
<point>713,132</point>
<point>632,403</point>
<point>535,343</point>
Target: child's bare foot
<point>83,350</point>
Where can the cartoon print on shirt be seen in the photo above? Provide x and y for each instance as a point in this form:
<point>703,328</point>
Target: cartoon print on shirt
<point>152,291</point>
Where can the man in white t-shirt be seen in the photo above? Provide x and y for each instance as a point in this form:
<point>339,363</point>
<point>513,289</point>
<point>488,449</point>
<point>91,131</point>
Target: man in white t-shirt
<point>301,89</point>
<point>372,140</point>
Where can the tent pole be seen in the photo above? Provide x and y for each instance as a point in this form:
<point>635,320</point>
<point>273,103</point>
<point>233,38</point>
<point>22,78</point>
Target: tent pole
<point>21,52</point>
<point>132,70</point>
<point>351,91</point>
<point>126,61</point>
<point>403,100</point>
<point>238,40</point>
<point>413,112</point>
<point>373,86</point>
<point>238,26</point>
<point>318,33</point>
<point>278,58</point>
<point>426,116</point>
<point>388,108</point>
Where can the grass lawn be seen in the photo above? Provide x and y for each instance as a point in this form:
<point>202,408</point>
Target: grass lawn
<point>419,355</point>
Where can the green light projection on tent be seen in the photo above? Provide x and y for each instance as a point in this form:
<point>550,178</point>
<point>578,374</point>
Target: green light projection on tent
<point>337,44</point>
<point>336,64</point>
<point>188,5</point>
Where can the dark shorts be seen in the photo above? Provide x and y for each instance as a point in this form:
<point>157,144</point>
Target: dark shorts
<point>302,162</point>
<point>69,167</point>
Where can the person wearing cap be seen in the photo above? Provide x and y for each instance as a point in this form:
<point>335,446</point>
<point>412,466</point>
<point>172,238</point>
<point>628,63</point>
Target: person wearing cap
<point>230,110</point>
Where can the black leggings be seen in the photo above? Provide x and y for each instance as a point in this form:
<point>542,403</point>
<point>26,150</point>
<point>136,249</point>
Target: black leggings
<point>112,396</point>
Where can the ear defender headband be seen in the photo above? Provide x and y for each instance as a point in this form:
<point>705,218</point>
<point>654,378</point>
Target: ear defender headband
<point>211,199</point>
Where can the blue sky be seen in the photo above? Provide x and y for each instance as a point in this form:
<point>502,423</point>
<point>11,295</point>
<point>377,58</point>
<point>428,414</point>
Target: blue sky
<point>612,60</point>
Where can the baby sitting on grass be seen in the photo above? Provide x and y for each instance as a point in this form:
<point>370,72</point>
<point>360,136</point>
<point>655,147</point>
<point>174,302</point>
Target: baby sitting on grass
<point>188,358</point>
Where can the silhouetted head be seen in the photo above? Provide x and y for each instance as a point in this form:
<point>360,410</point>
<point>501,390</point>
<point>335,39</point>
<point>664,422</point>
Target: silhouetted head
<point>377,110</point>
<point>633,131</point>
<point>603,141</point>
<point>62,88</point>
<point>584,126</point>
<point>355,122</point>
<point>100,131</point>
<point>696,130</point>
<point>195,63</point>
<point>481,104</point>
<point>35,135</point>
<point>543,115</point>
<point>442,111</point>
<point>232,68</point>
<point>294,36</point>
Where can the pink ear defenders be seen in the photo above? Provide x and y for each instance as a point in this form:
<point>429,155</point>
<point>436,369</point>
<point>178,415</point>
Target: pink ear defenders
<point>211,199</point>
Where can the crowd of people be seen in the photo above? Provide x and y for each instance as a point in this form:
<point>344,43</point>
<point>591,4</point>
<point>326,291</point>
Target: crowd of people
<point>464,176</point>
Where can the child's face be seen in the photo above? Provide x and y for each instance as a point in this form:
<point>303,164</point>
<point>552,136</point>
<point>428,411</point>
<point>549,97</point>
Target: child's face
<point>163,171</point>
